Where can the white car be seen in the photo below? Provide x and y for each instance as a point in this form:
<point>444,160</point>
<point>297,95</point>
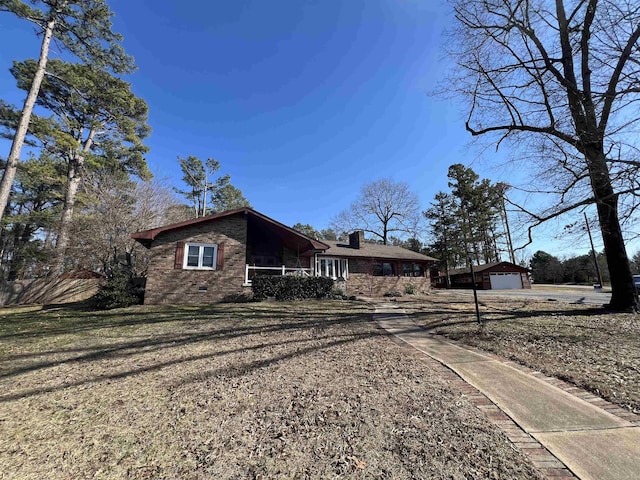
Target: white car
<point>636,282</point>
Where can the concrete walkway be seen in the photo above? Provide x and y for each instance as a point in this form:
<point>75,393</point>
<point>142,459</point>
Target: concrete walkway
<point>590,441</point>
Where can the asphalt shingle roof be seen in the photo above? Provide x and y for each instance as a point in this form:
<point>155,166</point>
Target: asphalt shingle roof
<point>373,250</point>
<point>480,268</point>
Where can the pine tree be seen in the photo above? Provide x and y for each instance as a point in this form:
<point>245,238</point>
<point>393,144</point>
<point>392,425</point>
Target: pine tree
<point>96,122</point>
<point>83,28</point>
<point>478,209</point>
<point>445,231</point>
<point>32,214</point>
<point>205,195</point>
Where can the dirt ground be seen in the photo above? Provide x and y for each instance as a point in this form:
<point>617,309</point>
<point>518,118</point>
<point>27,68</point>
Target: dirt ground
<point>232,391</point>
<point>589,347</point>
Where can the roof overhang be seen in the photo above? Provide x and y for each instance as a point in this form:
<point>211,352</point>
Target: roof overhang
<point>290,237</point>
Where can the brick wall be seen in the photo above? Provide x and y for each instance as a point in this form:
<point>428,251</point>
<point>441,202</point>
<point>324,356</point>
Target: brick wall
<point>364,284</point>
<point>166,284</point>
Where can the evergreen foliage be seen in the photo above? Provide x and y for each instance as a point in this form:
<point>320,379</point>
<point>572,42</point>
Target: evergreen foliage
<point>466,224</point>
<point>96,122</point>
<point>81,27</point>
<point>205,196</point>
<point>558,82</point>
<point>310,231</point>
<point>34,210</point>
<point>307,230</point>
<point>410,289</point>
<point>581,269</point>
<point>290,287</point>
<point>120,289</point>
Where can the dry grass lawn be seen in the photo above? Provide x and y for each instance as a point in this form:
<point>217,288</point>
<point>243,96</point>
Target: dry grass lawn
<point>232,391</point>
<point>589,347</point>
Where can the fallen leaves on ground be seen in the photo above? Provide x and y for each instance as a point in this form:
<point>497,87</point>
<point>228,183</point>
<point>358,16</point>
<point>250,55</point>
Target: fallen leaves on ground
<point>587,346</point>
<point>256,391</point>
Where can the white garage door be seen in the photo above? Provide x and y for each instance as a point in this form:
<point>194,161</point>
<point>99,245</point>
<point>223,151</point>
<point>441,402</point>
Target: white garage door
<point>505,281</point>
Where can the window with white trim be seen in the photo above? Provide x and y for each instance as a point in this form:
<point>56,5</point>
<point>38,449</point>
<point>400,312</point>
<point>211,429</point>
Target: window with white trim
<point>332,267</point>
<point>200,256</point>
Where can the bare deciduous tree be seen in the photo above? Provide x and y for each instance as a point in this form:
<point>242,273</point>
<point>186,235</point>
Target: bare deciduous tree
<point>383,207</point>
<point>561,81</point>
<point>115,207</point>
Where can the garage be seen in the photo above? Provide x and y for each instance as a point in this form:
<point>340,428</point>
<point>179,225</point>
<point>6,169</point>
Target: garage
<point>490,276</point>
<point>505,281</point>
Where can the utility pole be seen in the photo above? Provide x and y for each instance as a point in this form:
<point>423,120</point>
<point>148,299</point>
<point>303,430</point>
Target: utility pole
<point>512,255</point>
<point>593,250</point>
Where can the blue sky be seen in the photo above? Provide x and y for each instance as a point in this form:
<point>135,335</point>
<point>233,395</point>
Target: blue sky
<point>301,101</point>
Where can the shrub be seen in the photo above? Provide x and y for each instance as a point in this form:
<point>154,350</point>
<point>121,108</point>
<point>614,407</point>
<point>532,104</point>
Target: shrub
<point>410,289</point>
<point>338,294</point>
<point>121,289</point>
<point>285,288</point>
<point>393,293</point>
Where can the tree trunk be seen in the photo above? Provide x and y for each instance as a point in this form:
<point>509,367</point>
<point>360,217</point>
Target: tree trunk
<point>22,236</point>
<point>446,261</point>
<point>623,297</point>
<point>470,246</point>
<point>74,177</point>
<point>21,132</point>
<point>73,183</point>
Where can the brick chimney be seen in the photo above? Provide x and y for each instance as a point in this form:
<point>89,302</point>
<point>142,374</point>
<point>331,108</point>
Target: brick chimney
<point>356,239</point>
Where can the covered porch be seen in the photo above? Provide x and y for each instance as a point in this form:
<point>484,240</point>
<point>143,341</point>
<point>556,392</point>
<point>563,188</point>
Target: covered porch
<point>275,249</point>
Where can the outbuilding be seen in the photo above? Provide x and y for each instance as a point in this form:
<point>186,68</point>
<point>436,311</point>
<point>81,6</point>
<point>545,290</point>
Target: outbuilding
<point>490,276</point>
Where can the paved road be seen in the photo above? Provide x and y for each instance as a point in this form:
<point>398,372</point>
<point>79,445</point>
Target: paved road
<point>585,295</point>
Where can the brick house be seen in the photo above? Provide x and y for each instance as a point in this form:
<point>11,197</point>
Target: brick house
<point>206,259</point>
<point>490,276</point>
<point>373,269</point>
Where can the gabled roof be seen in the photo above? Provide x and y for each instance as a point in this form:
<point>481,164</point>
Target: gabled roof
<point>374,250</point>
<point>287,233</point>
<point>487,266</point>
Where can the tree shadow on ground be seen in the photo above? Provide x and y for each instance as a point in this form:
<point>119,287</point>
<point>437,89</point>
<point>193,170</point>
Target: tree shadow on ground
<point>30,322</point>
<point>447,315</point>
<point>212,328</point>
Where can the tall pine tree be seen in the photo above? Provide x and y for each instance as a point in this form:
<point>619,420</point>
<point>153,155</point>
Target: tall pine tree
<point>96,122</point>
<point>83,28</point>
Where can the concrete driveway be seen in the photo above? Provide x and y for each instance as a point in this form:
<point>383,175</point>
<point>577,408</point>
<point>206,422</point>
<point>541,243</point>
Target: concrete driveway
<point>559,293</point>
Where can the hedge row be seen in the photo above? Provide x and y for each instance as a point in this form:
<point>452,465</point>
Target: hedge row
<point>285,288</point>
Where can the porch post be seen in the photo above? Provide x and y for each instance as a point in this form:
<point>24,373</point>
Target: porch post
<point>246,273</point>
<point>283,270</point>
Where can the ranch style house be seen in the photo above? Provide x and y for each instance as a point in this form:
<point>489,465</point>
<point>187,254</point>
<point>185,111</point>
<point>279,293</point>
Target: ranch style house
<point>215,257</point>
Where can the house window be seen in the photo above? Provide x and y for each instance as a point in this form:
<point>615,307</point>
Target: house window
<point>332,267</point>
<point>200,256</point>
<point>412,270</point>
<point>383,269</point>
